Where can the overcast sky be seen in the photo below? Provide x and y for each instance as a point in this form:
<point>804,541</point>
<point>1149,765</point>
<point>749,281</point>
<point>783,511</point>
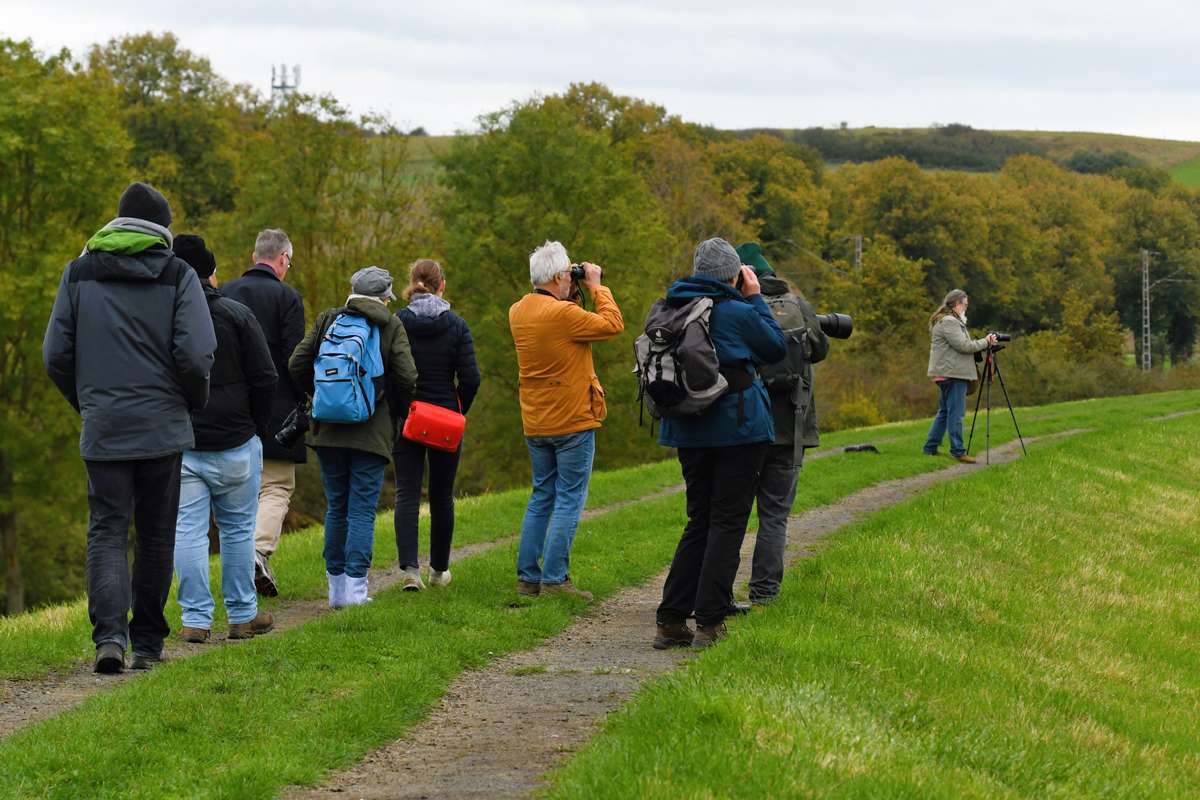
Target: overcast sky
<point>1122,67</point>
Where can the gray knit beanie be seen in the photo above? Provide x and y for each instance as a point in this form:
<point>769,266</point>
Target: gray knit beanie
<point>716,258</point>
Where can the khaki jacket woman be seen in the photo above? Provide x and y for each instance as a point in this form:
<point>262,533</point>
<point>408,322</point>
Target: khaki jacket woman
<point>952,367</point>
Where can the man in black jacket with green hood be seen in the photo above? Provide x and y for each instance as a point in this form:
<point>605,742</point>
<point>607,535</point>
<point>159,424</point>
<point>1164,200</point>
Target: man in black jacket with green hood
<point>790,386</point>
<point>130,345</point>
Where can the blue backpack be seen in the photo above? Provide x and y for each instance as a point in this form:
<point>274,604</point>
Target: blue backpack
<point>345,369</point>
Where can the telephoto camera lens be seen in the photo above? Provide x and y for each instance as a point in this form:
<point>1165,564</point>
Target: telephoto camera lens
<point>1002,337</point>
<point>839,326</point>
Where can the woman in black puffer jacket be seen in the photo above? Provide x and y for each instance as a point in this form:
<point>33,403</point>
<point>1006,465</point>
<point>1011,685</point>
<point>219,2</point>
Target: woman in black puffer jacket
<point>449,377</point>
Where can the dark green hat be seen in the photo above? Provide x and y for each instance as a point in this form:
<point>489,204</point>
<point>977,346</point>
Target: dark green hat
<point>752,256</point>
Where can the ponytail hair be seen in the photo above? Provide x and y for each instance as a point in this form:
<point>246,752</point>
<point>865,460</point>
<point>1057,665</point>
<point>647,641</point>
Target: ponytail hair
<point>424,277</point>
<point>953,298</point>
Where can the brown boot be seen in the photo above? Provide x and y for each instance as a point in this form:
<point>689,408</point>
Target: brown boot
<point>194,635</point>
<point>566,587</point>
<point>245,630</point>
<point>675,634</point>
<point>964,458</point>
<point>707,635</point>
<point>527,589</point>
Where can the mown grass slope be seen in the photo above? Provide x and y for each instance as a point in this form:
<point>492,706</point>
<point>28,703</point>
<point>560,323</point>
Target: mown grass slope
<point>1032,631</point>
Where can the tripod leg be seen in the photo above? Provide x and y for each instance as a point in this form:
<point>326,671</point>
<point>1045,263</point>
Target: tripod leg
<point>975,416</point>
<point>1011,413</point>
<point>987,446</point>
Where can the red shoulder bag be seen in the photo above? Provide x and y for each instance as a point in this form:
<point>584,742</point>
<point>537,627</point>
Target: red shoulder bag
<point>434,426</point>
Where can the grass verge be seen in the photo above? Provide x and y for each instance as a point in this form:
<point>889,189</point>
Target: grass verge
<point>58,637</point>
<point>1026,632</point>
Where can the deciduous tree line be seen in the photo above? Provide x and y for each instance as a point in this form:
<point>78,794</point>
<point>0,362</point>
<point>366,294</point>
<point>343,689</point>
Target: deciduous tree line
<point>1048,254</point>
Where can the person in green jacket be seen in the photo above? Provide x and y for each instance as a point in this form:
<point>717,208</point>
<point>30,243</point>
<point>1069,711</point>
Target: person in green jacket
<point>353,456</point>
<point>952,367</point>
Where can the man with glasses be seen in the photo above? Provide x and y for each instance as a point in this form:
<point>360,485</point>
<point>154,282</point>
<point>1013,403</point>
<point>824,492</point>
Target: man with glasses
<point>280,313</point>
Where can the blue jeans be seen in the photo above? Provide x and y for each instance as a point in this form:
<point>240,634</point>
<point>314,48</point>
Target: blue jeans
<point>562,467</point>
<point>227,482</point>
<point>952,406</point>
<point>352,480</point>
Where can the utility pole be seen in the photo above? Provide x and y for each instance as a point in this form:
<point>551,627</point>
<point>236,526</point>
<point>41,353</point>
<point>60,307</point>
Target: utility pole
<point>1145,310</point>
<point>858,240</point>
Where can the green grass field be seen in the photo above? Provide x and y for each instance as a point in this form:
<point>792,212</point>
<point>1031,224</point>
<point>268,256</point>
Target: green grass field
<point>1032,631</point>
<point>938,605</point>
<point>1187,172</point>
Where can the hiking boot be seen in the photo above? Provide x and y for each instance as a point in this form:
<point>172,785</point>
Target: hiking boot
<point>566,587</point>
<point>194,635</point>
<point>964,458</point>
<point>676,634</point>
<point>527,589</point>
<point>144,661</point>
<point>262,623</point>
<point>411,582</point>
<point>110,659</point>
<point>439,577</point>
<point>264,581</point>
<point>707,635</point>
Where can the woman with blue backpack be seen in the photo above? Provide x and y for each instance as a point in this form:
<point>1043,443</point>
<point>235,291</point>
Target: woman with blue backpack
<point>356,365</point>
<point>449,378</point>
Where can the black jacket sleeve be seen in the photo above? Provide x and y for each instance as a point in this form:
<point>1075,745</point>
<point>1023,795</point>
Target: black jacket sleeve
<point>259,371</point>
<point>58,346</point>
<point>466,369</point>
<point>292,332</point>
<point>193,340</point>
<point>400,371</point>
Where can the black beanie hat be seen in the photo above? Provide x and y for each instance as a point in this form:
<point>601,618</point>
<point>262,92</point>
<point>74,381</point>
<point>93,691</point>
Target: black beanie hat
<point>192,250</point>
<point>143,201</point>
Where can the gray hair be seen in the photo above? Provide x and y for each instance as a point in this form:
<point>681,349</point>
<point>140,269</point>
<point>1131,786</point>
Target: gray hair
<point>546,262</point>
<point>953,298</point>
<point>270,244</point>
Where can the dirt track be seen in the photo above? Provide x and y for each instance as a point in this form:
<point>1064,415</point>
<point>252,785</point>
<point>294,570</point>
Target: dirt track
<point>499,729</point>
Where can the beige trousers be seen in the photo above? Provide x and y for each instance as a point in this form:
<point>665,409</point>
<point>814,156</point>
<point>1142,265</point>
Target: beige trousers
<point>274,496</point>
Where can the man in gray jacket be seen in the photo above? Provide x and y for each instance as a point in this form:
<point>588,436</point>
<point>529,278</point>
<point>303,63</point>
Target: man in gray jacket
<point>130,345</point>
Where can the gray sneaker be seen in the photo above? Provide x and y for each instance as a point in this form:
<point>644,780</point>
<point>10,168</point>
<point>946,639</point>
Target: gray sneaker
<point>110,659</point>
<point>264,581</point>
<point>411,582</point>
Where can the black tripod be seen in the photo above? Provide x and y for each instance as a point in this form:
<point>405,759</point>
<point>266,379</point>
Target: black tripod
<point>991,367</point>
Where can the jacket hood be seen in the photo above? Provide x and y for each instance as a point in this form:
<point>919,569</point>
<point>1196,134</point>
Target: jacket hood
<point>373,310</point>
<point>426,315</point>
<point>147,265</point>
<point>693,286</point>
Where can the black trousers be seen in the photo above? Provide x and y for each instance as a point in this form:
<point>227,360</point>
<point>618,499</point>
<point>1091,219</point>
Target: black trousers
<point>410,458</point>
<point>721,482</point>
<point>145,492</point>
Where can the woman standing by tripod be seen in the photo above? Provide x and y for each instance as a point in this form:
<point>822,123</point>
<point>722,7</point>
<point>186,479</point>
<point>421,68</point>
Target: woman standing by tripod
<point>952,367</point>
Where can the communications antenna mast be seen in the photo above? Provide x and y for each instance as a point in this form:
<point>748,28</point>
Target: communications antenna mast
<point>281,86</point>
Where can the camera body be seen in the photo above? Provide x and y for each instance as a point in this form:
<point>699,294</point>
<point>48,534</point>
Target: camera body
<point>577,272</point>
<point>295,425</point>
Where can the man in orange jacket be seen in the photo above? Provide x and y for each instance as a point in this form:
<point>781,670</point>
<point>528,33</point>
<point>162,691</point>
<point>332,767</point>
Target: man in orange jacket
<point>562,405</point>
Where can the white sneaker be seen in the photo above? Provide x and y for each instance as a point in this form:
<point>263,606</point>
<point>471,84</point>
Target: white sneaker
<point>412,579</point>
<point>337,590</point>
<point>437,578</point>
<point>356,591</point>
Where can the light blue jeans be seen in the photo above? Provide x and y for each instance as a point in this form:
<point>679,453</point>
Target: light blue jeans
<point>225,481</point>
<point>952,407</point>
<point>562,467</point>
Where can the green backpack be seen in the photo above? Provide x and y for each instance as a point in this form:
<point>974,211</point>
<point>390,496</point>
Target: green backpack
<point>784,376</point>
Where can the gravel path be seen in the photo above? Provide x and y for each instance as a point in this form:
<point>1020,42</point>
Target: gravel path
<point>499,729</point>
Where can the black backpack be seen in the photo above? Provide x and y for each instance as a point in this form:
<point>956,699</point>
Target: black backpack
<point>677,368</point>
